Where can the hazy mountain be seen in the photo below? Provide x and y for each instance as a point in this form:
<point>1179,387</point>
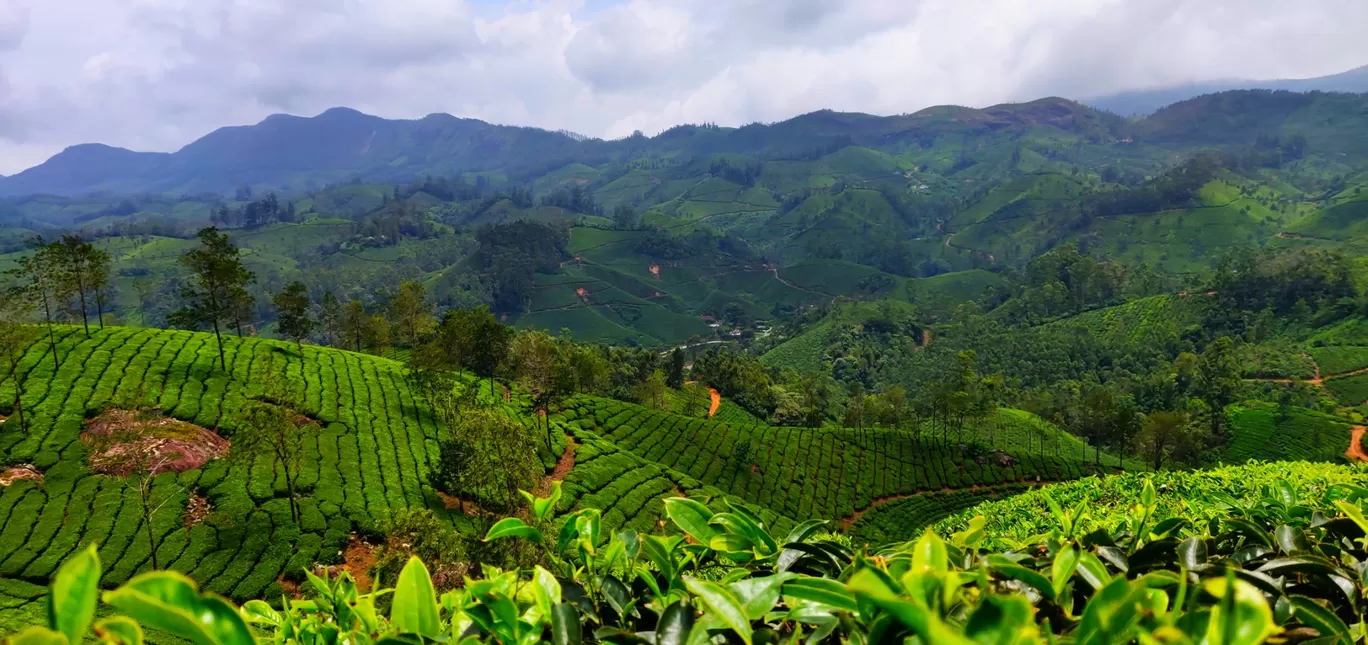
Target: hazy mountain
<point>297,154</point>
<point>1148,101</point>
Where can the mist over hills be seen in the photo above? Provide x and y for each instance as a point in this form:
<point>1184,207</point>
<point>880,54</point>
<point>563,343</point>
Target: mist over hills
<point>1141,102</point>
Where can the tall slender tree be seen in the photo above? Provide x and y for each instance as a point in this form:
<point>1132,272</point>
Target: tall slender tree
<point>87,270</point>
<point>41,280</point>
<point>354,322</point>
<point>218,288</point>
<point>331,317</point>
<point>292,312</point>
<point>410,312</point>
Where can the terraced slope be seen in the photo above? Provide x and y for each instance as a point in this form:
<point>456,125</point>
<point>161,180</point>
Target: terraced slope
<point>372,457</point>
<point>807,472</point>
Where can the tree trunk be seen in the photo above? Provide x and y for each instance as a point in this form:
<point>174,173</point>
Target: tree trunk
<point>18,405</point>
<point>99,307</point>
<point>223,362</point>
<point>147,521</point>
<point>85,320</point>
<point>52,339</point>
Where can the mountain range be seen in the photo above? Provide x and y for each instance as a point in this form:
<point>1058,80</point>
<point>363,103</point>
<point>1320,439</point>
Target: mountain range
<point>1354,81</point>
<point>298,154</point>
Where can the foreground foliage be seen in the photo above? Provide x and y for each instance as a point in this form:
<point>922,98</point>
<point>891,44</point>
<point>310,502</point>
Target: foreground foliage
<point>1279,566</point>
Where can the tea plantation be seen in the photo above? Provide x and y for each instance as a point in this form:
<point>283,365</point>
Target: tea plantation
<point>371,458</point>
<point>807,472</point>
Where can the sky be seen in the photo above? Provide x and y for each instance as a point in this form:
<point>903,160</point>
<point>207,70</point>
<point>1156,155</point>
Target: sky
<point>157,74</point>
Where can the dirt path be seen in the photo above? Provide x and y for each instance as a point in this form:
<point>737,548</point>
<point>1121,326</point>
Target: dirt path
<point>714,394</point>
<point>564,465</point>
<point>850,520</point>
<point>1355,451</point>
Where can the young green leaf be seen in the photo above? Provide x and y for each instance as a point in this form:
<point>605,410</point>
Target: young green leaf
<point>119,630</point>
<point>821,590</point>
<point>723,604</point>
<point>691,517</point>
<point>170,601</point>
<point>415,601</point>
<point>513,527</point>
<point>73,593</point>
<point>37,635</point>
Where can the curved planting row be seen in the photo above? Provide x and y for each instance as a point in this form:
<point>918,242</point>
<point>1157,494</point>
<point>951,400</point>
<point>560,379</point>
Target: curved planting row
<point>629,489</point>
<point>371,457</point>
<point>807,472</point>
<point>904,518</point>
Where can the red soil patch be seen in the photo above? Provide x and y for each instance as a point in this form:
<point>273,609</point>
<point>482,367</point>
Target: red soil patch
<point>15,473</point>
<point>359,559</point>
<point>564,465</point>
<point>1355,451</point>
<point>654,269</point>
<point>196,510</point>
<point>170,444</point>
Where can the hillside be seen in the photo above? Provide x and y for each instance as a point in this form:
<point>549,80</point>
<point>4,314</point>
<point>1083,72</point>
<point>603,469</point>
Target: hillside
<point>373,454</point>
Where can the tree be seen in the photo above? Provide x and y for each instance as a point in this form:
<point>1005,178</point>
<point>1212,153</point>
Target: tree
<point>675,378</point>
<point>697,399</point>
<point>331,317</point>
<point>1162,434</point>
<point>533,356</point>
<point>486,455</point>
<point>41,280</point>
<point>1219,380</point>
<point>87,270</point>
<point>489,341</point>
<point>354,322</point>
<point>272,431</point>
<point>651,391</point>
<point>410,312</point>
<point>15,337</point>
<point>217,290</point>
<point>292,312</point>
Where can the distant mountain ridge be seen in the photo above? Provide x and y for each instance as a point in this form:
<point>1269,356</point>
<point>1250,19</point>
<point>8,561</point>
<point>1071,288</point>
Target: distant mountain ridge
<point>298,154</point>
<point>1143,102</point>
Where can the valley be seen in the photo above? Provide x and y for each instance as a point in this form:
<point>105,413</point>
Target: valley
<point>1036,350</point>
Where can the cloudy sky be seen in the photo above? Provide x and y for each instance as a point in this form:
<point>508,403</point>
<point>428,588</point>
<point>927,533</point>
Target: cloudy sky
<point>156,74</point>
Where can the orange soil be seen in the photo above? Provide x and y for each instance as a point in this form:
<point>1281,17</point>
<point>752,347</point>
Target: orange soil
<point>359,560</point>
<point>1355,450</point>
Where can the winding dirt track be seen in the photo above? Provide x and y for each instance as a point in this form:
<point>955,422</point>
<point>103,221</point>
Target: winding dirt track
<point>1355,451</point>
<point>716,398</point>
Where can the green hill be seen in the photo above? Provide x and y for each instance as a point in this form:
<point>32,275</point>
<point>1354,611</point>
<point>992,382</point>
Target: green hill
<point>371,458</point>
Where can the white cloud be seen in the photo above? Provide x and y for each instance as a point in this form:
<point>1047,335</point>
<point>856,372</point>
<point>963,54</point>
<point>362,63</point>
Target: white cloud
<point>156,74</point>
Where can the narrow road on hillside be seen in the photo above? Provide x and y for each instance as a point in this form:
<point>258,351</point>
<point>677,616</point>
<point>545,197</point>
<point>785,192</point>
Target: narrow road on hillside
<point>1355,451</point>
